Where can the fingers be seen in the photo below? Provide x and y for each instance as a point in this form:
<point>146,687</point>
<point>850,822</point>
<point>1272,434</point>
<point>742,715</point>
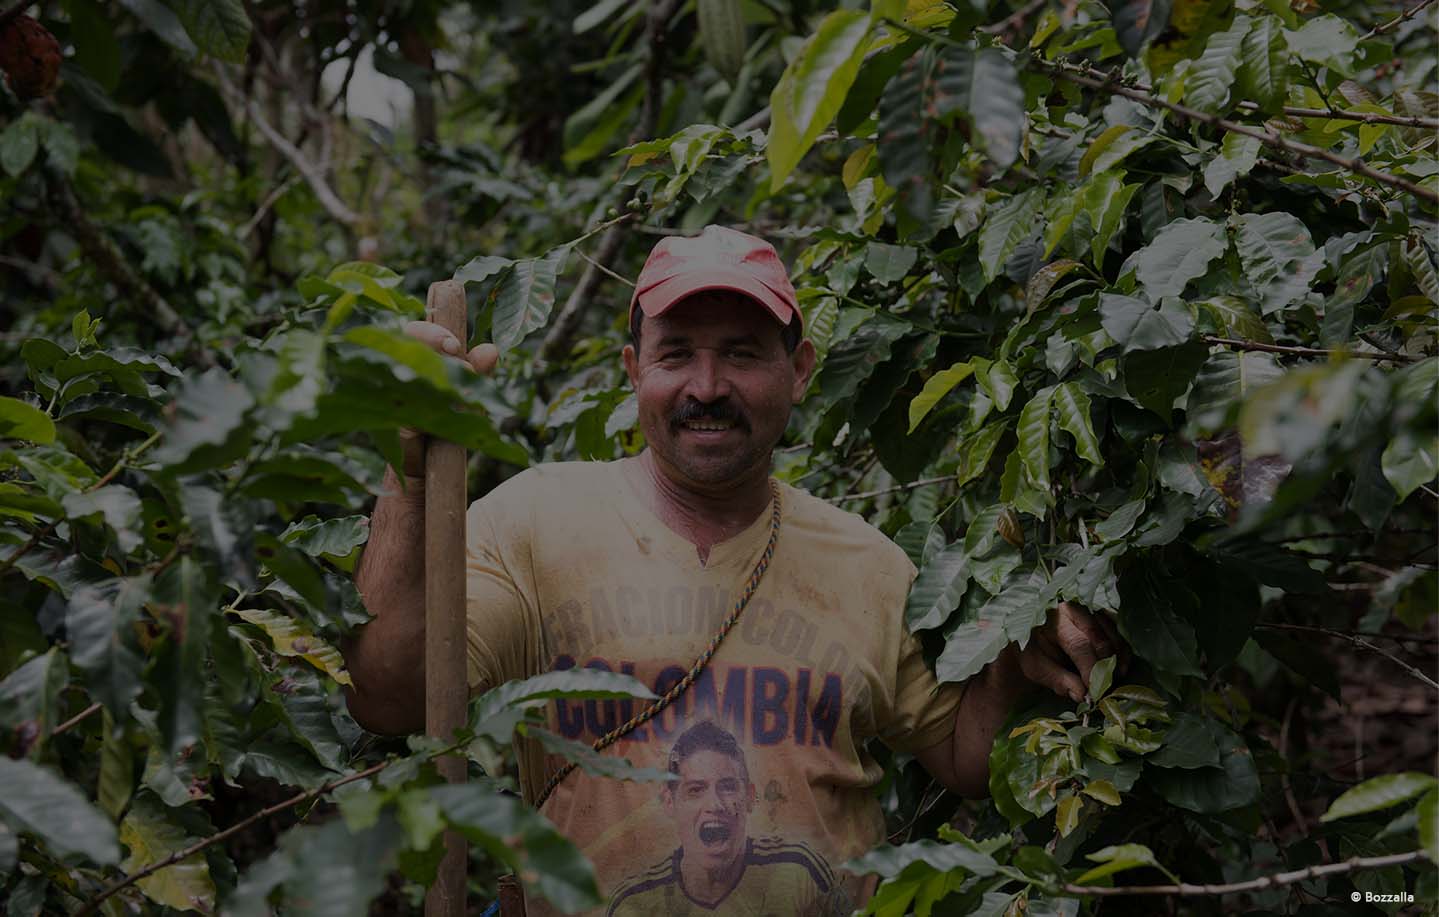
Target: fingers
<point>481,359</point>
<point>1041,662</point>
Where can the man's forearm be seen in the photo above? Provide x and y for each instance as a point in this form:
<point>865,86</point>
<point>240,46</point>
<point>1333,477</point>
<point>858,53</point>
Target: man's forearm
<point>988,699</point>
<point>386,657</point>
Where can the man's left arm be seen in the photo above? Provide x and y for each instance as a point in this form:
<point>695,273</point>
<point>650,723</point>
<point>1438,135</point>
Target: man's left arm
<point>1059,656</point>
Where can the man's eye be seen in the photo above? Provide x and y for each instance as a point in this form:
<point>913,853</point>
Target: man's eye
<point>674,356</point>
<point>743,355</point>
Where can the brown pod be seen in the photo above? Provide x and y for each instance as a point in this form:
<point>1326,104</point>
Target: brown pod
<point>29,57</point>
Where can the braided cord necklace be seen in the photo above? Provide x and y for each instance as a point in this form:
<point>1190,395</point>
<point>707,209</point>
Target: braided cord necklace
<point>654,709</point>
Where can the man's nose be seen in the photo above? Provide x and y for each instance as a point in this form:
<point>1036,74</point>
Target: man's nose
<point>708,381</point>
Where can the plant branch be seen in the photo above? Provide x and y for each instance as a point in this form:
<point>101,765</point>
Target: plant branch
<point>1015,21</point>
<point>75,720</point>
<point>1333,114</point>
<point>1397,21</point>
<point>895,489</point>
<point>1360,642</point>
<point>1263,882</point>
<point>1305,351</point>
<point>606,271</point>
<point>313,174</point>
<point>112,264</point>
<point>94,903</point>
<point>561,334</point>
<point>1267,138</point>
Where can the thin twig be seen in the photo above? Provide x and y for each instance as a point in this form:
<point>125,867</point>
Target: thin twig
<point>1275,881</point>
<point>48,274</point>
<point>75,720</point>
<point>270,200</point>
<point>95,902</point>
<point>1015,21</point>
<point>1306,351</point>
<point>1397,21</point>
<point>604,270</point>
<point>889,490</point>
<point>1268,138</point>
<point>313,174</point>
<point>1360,642</point>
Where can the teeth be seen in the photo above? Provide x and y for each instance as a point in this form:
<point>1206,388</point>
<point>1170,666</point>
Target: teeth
<point>708,426</point>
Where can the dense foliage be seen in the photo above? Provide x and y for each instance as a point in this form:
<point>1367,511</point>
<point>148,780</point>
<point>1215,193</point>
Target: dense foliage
<point>1128,304</point>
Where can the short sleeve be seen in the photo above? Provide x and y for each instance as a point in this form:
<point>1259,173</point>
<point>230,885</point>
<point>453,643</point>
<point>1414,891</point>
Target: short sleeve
<point>924,709</point>
<point>498,602</point>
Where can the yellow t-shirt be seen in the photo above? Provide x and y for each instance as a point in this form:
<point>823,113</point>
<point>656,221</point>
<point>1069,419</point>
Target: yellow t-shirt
<point>566,566</point>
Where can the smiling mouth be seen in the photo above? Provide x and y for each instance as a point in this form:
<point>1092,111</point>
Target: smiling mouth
<point>708,426</point>
<point>714,833</point>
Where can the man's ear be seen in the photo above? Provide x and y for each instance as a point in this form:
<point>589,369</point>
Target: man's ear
<point>632,365</point>
<point>803,360</point>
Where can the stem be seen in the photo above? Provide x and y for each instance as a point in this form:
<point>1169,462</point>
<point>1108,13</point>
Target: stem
<point>1360,642</point>
<point>94,903</point>
<point>75,720</point>
<point>1263,882</point>
<point>1306,351</point>
<point>1356,166</point>
<point>895,489</point>
<point>1397,21</point>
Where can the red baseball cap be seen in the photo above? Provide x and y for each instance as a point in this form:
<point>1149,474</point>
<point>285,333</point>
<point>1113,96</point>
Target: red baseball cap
<point>719,258</point>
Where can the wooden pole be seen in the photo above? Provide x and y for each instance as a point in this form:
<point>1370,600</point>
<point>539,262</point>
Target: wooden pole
<point>446,682</point>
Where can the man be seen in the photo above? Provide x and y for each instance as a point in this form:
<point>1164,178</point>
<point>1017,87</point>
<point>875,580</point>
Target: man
<point>716,859</point>
<point>631,566</point>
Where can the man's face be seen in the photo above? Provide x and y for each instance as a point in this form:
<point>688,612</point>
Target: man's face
<point>715,387</point>
<point>710,804</point>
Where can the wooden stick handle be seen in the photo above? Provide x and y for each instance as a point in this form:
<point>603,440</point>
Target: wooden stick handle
<point>446,682</point>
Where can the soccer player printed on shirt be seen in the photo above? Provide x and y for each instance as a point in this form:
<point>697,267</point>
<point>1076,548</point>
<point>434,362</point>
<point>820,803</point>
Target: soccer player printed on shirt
<point>717,866</point>
<point>631,565</point>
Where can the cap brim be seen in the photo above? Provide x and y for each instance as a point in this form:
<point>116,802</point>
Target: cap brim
<point>663,295</point>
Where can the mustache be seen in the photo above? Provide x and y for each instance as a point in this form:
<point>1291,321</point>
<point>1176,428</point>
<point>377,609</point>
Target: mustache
<point>721,411</point>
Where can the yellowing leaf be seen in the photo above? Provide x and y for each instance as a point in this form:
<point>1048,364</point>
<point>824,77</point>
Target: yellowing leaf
<point>291,638</point>
<point>1066,818</point>
<point>1104,791</point>
<point>151,837</point>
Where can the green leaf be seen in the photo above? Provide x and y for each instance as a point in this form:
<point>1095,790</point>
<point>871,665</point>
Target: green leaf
<point>56,813</point>
<point>1136,325</point>
<point>1416,256</point>
<point>218,27</point>
<point>1189,743</point>
<point>1278,256</point>
<point>1328,41</point>
<point>982,85</point>
<point>1007,225</point>
<point>887,861</point>
<point>1428,812</point>
<point>100,620</point>
<point>1137,21</point>
<point>1180,253</point>
<point>1379,793</point>
<point>1264,64</point>
<point>1157,377</point>
<point>1033,432</point>
<point>596,763</point>
<point>812,89</point>
<point>937,589</point>
<point>1154,628</point>
<point>321,871</point>
<point>1100,677</point>
<point>935,388</point>
<point>546,862</point>
<point>1210,80</point>
<point>338,537</point>
<point>977,450</point>
<point>1210,790</point>
<point>889,263</point>
<point>973,645</point>
<point>1119,858</point>
<point>1111,147</point>
<point>525,296</point>
<point>998,381</point>
<point>117,504</point>
<point>208,415</point>
<point>1237,156</point>
<point>1071,408</point>
<point>184,599</point>
<point>159,19</point>
<point>1224,382</point>
<point>1106,198</point>
<point>30,697</point>
<point>1236,319</point>
<point>19,143</point>
<point>1410,460</point>
<point>20,420</point>
<point>150,836</point>
<point>412,359</point>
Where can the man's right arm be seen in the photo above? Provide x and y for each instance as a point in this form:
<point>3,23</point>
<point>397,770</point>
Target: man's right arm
<point>386,657</point>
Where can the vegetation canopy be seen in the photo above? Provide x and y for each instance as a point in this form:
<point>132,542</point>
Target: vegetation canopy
<point>1130,304</point>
